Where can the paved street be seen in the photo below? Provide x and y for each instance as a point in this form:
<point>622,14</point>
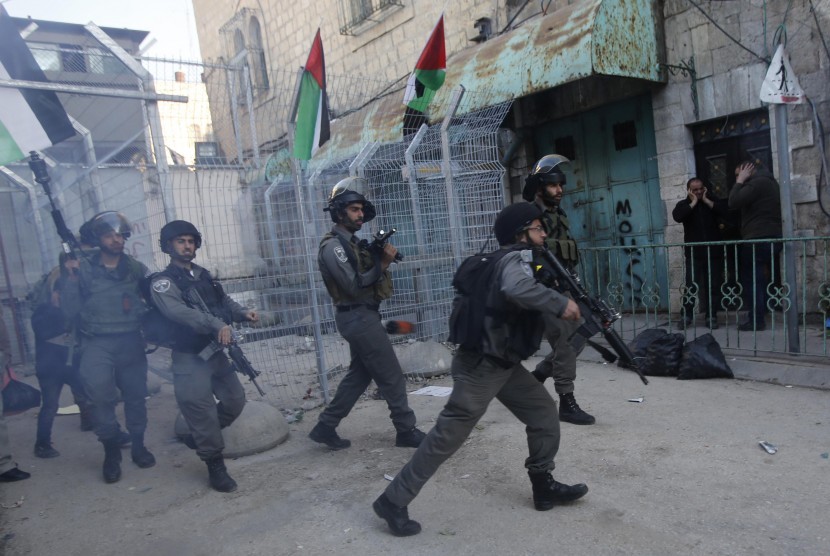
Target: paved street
<point>681,472</point>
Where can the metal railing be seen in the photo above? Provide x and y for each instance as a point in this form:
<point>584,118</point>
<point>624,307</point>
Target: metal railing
<point>719,287</point>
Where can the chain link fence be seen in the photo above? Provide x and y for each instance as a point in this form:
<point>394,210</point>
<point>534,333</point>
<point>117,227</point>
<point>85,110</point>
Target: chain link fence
<point>226,166</point>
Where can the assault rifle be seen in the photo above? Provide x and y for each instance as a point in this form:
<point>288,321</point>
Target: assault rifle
<point>38,167</point>
<point>597,314</point>
<point>239,362</point>
<point>379,241</point>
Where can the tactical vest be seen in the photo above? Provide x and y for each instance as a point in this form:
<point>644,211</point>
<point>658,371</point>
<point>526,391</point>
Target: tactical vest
<point>112,302</point>
<point>559,239</point>
<point>362,261</point>
<point>185,339</point>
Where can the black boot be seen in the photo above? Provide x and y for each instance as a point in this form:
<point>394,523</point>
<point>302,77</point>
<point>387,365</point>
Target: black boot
<point>112,461</point>
<point>570,412</point>
<point>547,492</point>
<point>397,518</point>
<point>45,450</point>
<point>219,478</point>
<point>325,434</point>
<point>140,454</point>
<point>409,439</point>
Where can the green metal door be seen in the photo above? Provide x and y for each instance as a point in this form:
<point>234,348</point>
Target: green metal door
<point>613,199</point>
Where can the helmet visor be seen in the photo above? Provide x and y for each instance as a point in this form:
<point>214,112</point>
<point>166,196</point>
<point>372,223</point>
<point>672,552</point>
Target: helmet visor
<point>111,222</point>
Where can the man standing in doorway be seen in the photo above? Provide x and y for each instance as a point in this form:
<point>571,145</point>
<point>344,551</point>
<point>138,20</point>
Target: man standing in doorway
<point>756,195</point>
<point>545,187</point>
<point>699,213</point>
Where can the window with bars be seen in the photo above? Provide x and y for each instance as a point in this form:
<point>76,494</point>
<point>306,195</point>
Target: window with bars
<point>355,16</point>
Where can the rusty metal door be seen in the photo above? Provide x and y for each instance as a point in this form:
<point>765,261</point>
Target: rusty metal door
<point>615,197</point>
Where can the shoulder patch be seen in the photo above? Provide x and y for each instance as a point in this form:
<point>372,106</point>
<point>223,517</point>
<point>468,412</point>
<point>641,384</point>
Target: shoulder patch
<point>340,253</point>
<point>161,285</point>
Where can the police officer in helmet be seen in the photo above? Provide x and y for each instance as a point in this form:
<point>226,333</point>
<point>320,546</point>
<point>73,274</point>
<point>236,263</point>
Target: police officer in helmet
<point>358,280</point>
<point>544,187</point>
<point>493,369</point>
<point>197,381</point>
<point>102,296</point>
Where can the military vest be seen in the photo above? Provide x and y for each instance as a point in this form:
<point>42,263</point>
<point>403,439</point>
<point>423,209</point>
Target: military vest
<point>559,239</point>
<point>362,261</point>
<point>185,339</point>
<point>112,302</point>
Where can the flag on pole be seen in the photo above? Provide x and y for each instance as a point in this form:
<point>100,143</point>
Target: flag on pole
<point>429,71</point>
<point>311,124</point>
<point>30,120</point>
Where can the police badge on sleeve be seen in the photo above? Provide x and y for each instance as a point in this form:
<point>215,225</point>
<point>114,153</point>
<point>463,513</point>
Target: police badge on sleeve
<point>339,252</point>
<point>161,285</point>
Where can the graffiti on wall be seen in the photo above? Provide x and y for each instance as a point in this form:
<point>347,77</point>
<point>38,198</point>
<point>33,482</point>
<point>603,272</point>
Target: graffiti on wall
<point>633,271</point>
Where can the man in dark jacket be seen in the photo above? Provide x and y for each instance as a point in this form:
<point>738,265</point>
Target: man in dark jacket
<point>699,213</point>
<point>756,195</point>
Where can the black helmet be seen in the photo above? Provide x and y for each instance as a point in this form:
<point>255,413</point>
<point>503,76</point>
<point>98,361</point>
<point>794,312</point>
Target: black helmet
<point>346,192</point>
<point>85,234</point>
<point>546,170</point>
<point>105,222</point>
<point>513,219</point>
<point>177,228</point>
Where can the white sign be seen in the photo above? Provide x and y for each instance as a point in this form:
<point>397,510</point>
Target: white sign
<point>781,86</point>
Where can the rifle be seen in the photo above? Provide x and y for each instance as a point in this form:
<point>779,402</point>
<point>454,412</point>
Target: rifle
<point>38,167</point>
<point>239,362</point>
<point>597,314</point>
<point>379,241</point>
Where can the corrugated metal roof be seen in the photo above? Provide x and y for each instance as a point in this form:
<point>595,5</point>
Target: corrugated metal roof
<point>594,37</point>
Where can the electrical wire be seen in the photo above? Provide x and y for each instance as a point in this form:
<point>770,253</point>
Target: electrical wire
<point>722,30</point>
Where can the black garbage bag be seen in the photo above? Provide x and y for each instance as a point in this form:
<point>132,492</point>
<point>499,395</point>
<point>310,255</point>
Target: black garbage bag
<point>703,358</point>
<point>657,351</point>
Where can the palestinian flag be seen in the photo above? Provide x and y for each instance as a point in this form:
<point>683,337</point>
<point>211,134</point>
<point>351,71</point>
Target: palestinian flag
<point>311,124</point>
<point>429,71</point>
<point>30,120</point>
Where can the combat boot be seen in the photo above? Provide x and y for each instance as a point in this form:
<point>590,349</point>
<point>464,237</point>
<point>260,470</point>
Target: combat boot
<point>112,461</point>
<point>219,478</point>
<point>547,492</point>
<point>45,450</point>
<point>324,434</point>
<point>396,517</point>
<point>140,454</point>
<point>570,412</point>
<point>409,439</point>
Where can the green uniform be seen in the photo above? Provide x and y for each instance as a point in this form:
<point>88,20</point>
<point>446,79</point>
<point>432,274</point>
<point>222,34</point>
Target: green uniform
<point>561,362</point>
<point>106,307</point>
<point>197,382</point>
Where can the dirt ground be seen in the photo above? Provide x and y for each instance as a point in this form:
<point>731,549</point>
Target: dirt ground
<point>681,472</point>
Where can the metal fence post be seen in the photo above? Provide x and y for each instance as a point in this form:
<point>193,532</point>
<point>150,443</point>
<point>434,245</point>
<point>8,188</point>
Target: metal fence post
<point>446,167</point>
<point>251,116</point>
<point>153,116</point>
<point>791,311</point>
